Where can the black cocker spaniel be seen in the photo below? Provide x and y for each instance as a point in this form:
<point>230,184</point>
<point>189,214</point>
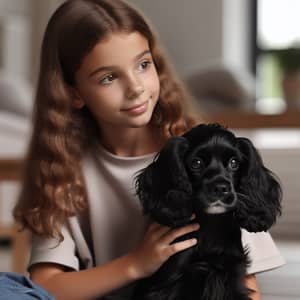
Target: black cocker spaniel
<point>221,178</point>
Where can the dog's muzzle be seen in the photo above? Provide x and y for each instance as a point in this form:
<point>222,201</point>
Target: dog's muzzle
<point>218,197</point>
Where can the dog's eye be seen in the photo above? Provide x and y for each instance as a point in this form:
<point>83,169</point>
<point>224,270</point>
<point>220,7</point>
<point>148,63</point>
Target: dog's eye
<point>197,164</point>
<point>233,164</point>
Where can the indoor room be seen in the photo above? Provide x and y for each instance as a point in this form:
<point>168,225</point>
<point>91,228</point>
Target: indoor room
<point>240,64</point>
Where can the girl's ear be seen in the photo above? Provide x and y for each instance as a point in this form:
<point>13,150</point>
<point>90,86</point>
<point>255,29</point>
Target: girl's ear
<point>164,188</point>
<point>260,203</point>
<point>77,101</point>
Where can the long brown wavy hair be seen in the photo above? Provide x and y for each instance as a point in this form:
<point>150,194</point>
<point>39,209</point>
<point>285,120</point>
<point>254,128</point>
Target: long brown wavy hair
<point>53,185</point>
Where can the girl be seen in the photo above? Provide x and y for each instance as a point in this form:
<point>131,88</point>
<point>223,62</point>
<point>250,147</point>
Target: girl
<point>106,103</point>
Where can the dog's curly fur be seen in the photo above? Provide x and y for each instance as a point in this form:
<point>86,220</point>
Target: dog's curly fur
<point>221,178</point>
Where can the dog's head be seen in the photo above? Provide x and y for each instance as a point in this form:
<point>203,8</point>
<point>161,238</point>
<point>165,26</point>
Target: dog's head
<point>209,170</point>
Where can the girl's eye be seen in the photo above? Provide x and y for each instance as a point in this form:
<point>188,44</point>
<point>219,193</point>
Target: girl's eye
<point>197,164</point>
<point>233,164</point>
<point>144,65</point>
<point>108,79</point>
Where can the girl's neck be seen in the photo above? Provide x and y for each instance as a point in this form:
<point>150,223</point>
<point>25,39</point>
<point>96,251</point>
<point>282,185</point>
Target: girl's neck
<point>131,141</point>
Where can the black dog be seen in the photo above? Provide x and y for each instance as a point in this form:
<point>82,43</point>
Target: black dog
<point>221,178</point>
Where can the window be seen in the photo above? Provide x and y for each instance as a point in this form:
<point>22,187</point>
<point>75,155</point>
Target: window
<point>277,54</point>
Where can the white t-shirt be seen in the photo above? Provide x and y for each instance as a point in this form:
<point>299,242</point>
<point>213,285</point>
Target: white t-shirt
<point>114,223</point>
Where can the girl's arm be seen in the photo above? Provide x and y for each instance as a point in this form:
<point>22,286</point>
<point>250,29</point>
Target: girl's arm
<point>155,249</point>
<point>251,283</point>
<point>86,284</point>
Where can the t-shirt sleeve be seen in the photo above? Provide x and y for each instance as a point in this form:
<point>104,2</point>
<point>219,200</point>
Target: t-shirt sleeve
<point>46,250</point>
<point>263,253</point>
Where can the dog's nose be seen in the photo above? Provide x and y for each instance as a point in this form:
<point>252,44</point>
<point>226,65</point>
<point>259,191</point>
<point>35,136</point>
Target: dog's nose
<point>221,189</point>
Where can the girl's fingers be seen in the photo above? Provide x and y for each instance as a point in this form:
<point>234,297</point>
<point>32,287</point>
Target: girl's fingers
<point>162,229</point>
<point>158,229</point>
<point>180,246</point>
<point>175,233</point>
<point>153,226</point>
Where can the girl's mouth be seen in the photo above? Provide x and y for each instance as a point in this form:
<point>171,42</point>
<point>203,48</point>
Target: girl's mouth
<point>137,109</point>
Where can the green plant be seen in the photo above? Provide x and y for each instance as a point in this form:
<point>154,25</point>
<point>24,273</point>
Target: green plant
<point>289,59</point>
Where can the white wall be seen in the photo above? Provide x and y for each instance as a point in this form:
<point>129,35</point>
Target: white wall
<point>190,30</point>
<point>15,35</point>
<point>198,33</point>
<point>236,33</point>
<point>195,33</point>
<point>22,24</point>
<point>20,7</point>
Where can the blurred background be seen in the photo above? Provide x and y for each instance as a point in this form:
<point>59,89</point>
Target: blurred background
<point>240,61</point>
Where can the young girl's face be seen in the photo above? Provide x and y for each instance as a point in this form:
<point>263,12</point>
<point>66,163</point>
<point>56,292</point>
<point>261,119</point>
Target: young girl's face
<point>118,81</point>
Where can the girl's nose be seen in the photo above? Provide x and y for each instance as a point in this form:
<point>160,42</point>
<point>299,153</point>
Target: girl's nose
<point>134,89</point>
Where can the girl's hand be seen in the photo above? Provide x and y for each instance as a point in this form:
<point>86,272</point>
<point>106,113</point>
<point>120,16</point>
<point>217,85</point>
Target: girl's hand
<point>156,248</point>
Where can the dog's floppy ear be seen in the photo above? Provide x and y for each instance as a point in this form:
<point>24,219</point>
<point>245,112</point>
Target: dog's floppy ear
<point>257,211</point>
<point>164,188</point>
